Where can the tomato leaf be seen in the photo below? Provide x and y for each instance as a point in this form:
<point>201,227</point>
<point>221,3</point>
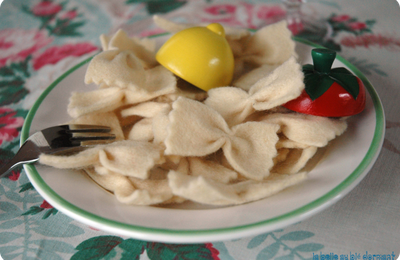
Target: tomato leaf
<point>347,80</point>
<point>317,83</point>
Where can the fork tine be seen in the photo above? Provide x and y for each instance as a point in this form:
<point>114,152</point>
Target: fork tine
<point>84,136</point>
<point>77,128</point>
<point>76,135</point>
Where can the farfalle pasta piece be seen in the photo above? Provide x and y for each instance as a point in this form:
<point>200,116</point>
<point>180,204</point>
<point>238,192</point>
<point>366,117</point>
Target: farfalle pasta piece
<point>109,98</point>
<point>247,80</point>
<point>130,191</point>
<point>123,69</point>
<point>144,51</point>
<point>160,126</point>
<point>271,45</point>
<point>295,160</point>
<point>142,130</point>
<point>197,166</point>
<point>104,40</point>
<point>208,191</point>
<point>307,129</point>
<point>109,119</point>
<point>101,100</point>
<point>235,105</point>
<point>147,109</point>
<point>129,158</point>
<point>197,130</point>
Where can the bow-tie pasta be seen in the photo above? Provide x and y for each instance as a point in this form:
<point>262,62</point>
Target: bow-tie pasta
<point>231,145</point>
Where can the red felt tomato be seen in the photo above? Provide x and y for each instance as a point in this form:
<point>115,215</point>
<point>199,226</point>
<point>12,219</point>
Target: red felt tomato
<point>328,92</point>
<point>335,102</point>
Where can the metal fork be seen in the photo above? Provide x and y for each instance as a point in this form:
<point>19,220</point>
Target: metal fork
<point>57,139</point>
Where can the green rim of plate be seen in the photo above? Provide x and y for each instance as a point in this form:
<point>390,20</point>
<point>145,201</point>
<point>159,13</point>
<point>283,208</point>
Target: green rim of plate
<point>332,195</point>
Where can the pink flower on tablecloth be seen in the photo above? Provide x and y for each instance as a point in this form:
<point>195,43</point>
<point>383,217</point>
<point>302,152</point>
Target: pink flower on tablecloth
<point>221,9</point>
<point>14,176</point>
<point>54,54</point>
<point>46,205</point>
<point>341,18</point>
<point>9,124</point>
<point>17,44</point>
<point>224,13</point>
<point>46,8</point>
<point>69,15</point>
<point>213,250</point>
<point>371,40</point>
<point>270,12</point>
<point>357,26</point>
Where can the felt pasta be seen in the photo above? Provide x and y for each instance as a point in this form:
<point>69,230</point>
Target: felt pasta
<point>197,130</point>
<point>235,105</point>
<point>174,142</point>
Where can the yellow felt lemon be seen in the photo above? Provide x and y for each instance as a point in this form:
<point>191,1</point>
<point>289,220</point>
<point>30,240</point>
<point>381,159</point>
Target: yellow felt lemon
<point>199,55</point>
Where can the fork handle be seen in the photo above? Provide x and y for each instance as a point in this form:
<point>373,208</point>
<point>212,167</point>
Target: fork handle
<point>28,153</point>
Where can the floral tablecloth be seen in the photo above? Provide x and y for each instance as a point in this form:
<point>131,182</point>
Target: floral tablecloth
<point>41,39</point>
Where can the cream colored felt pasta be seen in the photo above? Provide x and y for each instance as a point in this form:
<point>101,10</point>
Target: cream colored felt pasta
<point>125,191</point>
<point>184,91</point>
<point>247,80</point>
<point>131,158</point>
<point>287,143</point>
<point>197,130</point>
<point>271,44</point>
<point>83,159</point>
<point>110,98</point>
<point>101,100</point>
<point>281,156</point>
<point>142,130</point>
<point>197,166</point>
<point>123,69</point>
<point>105,119</point>
<point>160,126</point>
<point>116,68</point>
<point>281,85</point>
<point>159,81</point>
<point>147,109</point>
<point>207,191</point>
<point>307,129</point>
<point>104,40</point>
<point>295,160</point>
<point>121,41</point>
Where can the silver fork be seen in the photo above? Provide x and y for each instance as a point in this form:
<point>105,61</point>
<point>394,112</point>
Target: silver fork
<point>57,139</point>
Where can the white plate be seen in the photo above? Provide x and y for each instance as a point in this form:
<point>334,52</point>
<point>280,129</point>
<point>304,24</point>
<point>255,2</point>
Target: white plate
<point>347,160</point>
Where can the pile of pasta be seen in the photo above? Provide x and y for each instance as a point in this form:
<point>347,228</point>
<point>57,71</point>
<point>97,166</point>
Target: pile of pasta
<point>231,145</point>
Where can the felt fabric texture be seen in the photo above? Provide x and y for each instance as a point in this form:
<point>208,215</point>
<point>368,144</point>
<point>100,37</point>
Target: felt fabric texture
<point>109,119</point>
<point>210,169</point>
<point>307,129</point>
<point>295,160</point>
<point>281,85</point>
<point>121,68</point>
<point>197,130</point>
<point>207,191</point>
<point>134,191</point>
<point>128,158</point>
<point>261,48</point>
<point>109,98</point>
<point>142,48</point>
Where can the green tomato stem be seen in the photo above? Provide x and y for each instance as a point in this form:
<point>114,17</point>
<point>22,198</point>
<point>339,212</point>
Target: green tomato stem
<point>323,60</point>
